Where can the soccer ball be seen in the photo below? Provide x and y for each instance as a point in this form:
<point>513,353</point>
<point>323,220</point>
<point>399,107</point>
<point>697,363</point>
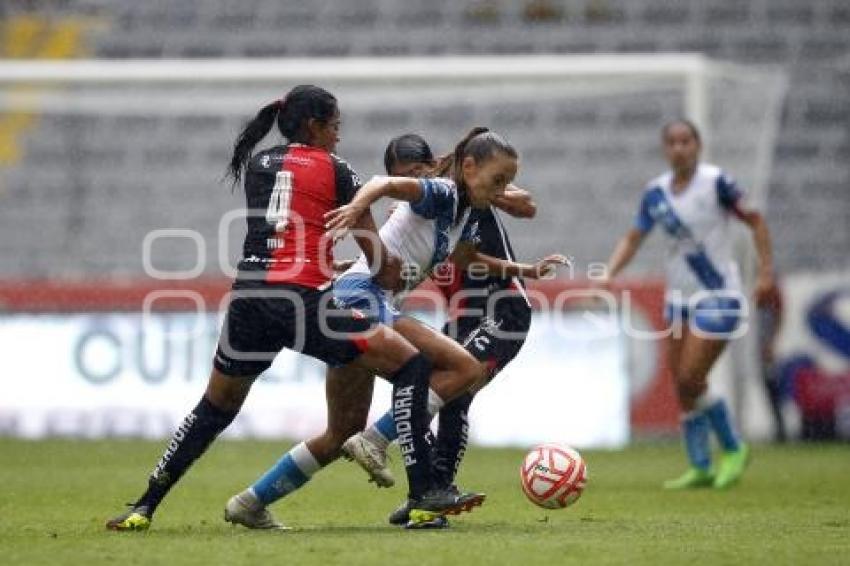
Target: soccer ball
<point>553,476</point>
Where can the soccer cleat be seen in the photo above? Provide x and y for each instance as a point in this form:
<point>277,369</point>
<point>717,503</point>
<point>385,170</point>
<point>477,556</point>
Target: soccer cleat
<point>241,511</point>
<point>438,522</point>
<point>137,518</point>
<point>370,457</point>
<point>732,466</point>
<point>692,478</point>
<point>439,503</point>
<point>401,515</point>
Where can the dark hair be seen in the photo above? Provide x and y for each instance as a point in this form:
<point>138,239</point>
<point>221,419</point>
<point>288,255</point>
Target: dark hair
<point>407,148</point>
<point>480,144</point>
<point>684,122</point>
<point>292,113</point>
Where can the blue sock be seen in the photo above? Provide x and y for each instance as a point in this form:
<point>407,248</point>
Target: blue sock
<point>386,426</point>
<point>718,415</point>
<point>695,427</point>
<point>288,474</point>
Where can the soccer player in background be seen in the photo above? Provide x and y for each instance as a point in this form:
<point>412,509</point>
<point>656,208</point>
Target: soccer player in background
<point>280,298</point>
<point>423,229</point>
<point>694,203</point>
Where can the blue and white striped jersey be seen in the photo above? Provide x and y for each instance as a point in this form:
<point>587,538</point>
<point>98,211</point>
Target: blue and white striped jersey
<point>697,219</point>
<point>424,233</point>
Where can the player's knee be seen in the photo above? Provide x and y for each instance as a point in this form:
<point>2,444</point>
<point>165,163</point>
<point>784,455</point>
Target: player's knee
<point>690,385</point>
<point>472,372</point>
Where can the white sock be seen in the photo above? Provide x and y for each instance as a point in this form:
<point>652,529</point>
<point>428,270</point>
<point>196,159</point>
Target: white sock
<point>373,435</point>
<point>435,402</point>
<point>305,460</point>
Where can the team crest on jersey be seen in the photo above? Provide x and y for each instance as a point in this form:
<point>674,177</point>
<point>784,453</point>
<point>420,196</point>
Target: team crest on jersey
<point>268,159</point>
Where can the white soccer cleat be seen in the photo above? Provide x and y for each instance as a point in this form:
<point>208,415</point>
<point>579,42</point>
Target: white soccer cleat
<point>243,509</point>
<point>370,457</point>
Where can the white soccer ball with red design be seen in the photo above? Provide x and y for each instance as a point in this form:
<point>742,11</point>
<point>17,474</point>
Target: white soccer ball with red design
<point>553,476</point>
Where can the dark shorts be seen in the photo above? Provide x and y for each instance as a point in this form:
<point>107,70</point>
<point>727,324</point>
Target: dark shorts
<point>262,319</point>
<point>497,337</point>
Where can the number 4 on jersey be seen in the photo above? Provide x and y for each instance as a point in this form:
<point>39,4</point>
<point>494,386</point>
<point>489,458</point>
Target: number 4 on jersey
<point>277,213</point>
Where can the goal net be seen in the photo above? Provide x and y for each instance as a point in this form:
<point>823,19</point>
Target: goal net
<point>156,136</point>
<point>98,155</point>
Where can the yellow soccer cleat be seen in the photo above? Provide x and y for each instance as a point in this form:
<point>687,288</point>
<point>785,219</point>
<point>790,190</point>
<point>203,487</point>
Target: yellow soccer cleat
<point>693,478</point>
<point>732,466</point>
<point>136,519</point>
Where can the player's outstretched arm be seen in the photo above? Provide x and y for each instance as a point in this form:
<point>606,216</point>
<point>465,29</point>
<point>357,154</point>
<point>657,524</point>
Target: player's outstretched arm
<point>467,256</point>
<point>623,252</point>
<point>340,219</point>
<point>516,202</point>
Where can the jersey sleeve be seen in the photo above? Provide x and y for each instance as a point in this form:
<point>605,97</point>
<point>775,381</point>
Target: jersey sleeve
<point>728,193</point>
<point>347,181</point>
<point>644,220</point>
<point>439,198</point>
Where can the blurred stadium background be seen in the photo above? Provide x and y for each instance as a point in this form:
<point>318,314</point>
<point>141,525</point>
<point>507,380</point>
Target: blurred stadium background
<point>91,169</point>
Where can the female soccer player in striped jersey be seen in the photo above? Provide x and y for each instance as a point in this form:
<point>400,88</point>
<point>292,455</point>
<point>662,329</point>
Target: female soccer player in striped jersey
<point>493,319</point>
<point>422,231</point>
<point>694,203</point>
<point>280,298</point>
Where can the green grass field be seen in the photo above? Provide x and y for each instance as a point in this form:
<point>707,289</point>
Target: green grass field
<point>793,507</point>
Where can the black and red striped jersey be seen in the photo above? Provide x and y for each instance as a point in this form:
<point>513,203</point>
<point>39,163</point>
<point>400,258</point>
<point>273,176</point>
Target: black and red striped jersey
<point>288,190</point>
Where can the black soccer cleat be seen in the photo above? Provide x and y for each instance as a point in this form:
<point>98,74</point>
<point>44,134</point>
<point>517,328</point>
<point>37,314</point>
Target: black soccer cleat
<point>439,502</point>
<point>401,515</point>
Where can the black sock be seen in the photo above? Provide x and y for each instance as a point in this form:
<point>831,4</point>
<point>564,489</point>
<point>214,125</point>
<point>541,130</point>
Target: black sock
<point>191,439</point>
<point>452,438</point>
<point>410,412</point>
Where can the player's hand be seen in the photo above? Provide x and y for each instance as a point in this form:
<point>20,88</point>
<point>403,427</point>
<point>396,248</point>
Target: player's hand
<point>547,266</point>
<point>340,220</point>
<point>602,294</point>
<point>602,283</point>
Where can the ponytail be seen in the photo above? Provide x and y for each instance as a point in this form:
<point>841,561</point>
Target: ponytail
<point>291,113</point>
<point>254,131</point>
<point>449,165</point>
<point>480,143</point>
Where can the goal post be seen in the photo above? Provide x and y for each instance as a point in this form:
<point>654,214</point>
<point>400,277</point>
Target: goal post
<point>704,84</point>
<point>113,151</point>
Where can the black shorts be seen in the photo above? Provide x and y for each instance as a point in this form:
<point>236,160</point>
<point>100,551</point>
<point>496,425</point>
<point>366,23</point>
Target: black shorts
<point>262,319</point>
<point>497,337</point>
